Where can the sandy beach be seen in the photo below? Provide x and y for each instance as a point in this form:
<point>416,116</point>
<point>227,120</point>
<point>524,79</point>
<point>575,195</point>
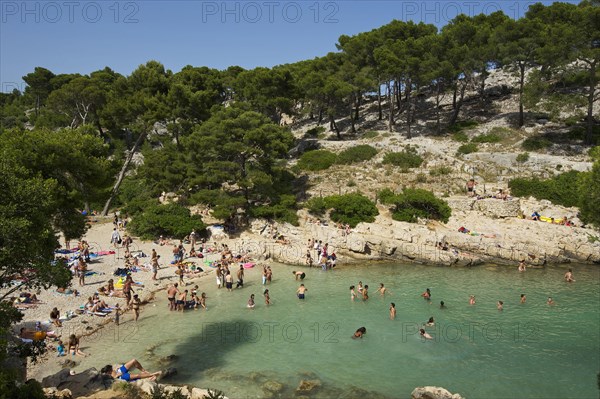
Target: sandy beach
<point>82,325</point>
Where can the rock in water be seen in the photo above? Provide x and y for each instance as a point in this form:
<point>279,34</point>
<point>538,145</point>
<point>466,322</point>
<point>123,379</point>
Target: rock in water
<point>168,373</point>
<point>307,386</point>
<point>272,386</point>
<point>433,393</point>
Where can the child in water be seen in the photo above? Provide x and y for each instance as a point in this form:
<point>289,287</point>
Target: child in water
<point>251,302</point>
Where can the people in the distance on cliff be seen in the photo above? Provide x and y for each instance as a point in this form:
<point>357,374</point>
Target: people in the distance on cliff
<point>523,298</point>
<point>569,276</point>
<point>522,266</point>
<point>392,311</point>
<point>427,294</point>
<point>424,334</point>
<point>472,300</point>
<point>123,372</point>
<point>471,187</point>
<point>360,332</point>
<point>535,216</point>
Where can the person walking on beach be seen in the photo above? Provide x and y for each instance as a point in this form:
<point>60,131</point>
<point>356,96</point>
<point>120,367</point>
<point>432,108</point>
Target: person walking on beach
<point>171,293</point>
<point>115,238</point>
<point>81,269</point>
<point>155,265</point>
<point>127,288</point>
<point>301,291</point>
<point>392,311</point>
<point>135,305</point>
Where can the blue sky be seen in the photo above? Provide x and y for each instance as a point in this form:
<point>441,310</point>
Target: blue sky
<point>83,36</point>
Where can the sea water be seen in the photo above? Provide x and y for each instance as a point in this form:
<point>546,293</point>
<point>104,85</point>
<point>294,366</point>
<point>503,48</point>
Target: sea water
<point>529,350</point>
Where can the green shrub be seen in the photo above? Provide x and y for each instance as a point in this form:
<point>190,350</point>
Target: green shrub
<point>371,135</point>
<point>421,178</point>
<point>348,208</point>
<point>316,160</point>
<point>561,190</point>
<point>462,125</point>
<point>536,143</point>
<point>487,138</point>
<point>170,220</point>
<point>406,159</point>
<point>315,131</point>
<point>412,204</point>
<point>386,196</point>
<point>283,211</point>
<point>467,149</point>
<point>351,208</point>
<point>440,171</point>
<point>351,183</point>
<point>355,154</point>
<point>523,157</point>
<point>460,137</point>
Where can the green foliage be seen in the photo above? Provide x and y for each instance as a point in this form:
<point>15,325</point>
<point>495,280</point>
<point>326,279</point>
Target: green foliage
<point>9,389</point>
<point>487,138</point>
<point>348,208</point>
<point>463,125</point>
<point>315,131</point>
<point>406,159</point>
<point>523,157</point>
<point>440,171</point>
<point>589,195</point>
<point>413,204</point>
<point>460,137</point>
<point>283,211</point>
<point>351,208</point>
<point>170,220</point>
<point>467,149</point>
<point>316,160</point>
<point>561,190</point>
<point>536,143</point>
<point>421,178</point>
<point>370,134</point>
<point>356,154</point>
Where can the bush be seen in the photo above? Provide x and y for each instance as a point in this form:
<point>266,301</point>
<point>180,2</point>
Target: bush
<point>561,190</point>
<point>283,211</point>
<point>460,137</point>
<point>316,160</point>
<point>351,209</point>
<point>536,143</point>
<point>523,157</point>
<point>170,220</point>
<point>416,203</point>
<point>487,138</point>
<point>440,171</point>
<point>315,131</point>
<point>348,208</point>
<point>462,125</point>
<point>467,149</point>
<point>371,135</point>
<point>355,154</point>
<point>405,159</point>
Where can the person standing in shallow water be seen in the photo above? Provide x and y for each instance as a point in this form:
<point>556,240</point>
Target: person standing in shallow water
<point>522,267</point>
<point>301,291</point>
<point>267,297</point>
<point>569,276</point>
<point>392,311</point>
<point>427,294</point>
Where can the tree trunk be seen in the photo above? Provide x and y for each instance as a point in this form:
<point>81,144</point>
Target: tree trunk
<point>390,96</point>
<point>115,189</point>
<point>484,75</point>
<point>356,114</point>
<point>437,108</point>
<point>454,95</point>
<point>320,120</point>
<point>521,85</point>
<point>333,126</point>
<point>589,133</point>
<point>398,96</point>
<point>379,100</point>
<point>459,101</point>
<point>408,108</point>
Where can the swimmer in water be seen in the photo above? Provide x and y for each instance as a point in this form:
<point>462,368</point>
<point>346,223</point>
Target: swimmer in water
<point>522,265</point>
<point>472,300</point>
<point>430,322</point>
<point>569,276</point>
<point>392,311</point>
<point>523,298</point>
<point>352,293</point>
<point>301,291</point>
<point>359,333</point>
<point>299,275</point>
<point>365,293</point>
<point>251,303</point>
<point>360,287</point>
<point>382,290</point>
<point>442,305</point>
<point>426,294</point>
<point>500,305</point>
<point>267,297</point>
<point>424,334</point>
<point>550,301</point>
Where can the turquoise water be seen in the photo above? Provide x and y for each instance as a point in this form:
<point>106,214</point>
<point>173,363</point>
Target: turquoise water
<point>529,350</point>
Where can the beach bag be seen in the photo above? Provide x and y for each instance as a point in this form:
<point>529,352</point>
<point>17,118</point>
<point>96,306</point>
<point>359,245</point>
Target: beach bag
<point>119,241</point>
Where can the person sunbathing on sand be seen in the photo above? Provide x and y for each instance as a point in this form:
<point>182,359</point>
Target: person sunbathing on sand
<point>122,372</point>
<point>33,335</point>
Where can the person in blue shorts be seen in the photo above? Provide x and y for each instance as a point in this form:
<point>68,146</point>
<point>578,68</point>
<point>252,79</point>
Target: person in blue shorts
<point>300,291</point>
<point>122,372</point>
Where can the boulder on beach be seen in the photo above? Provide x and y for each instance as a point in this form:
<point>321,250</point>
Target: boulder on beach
<point>433,393</point>
<point>80,384</point>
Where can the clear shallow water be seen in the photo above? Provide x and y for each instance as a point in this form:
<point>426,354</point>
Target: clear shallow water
<point>528,350</point>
